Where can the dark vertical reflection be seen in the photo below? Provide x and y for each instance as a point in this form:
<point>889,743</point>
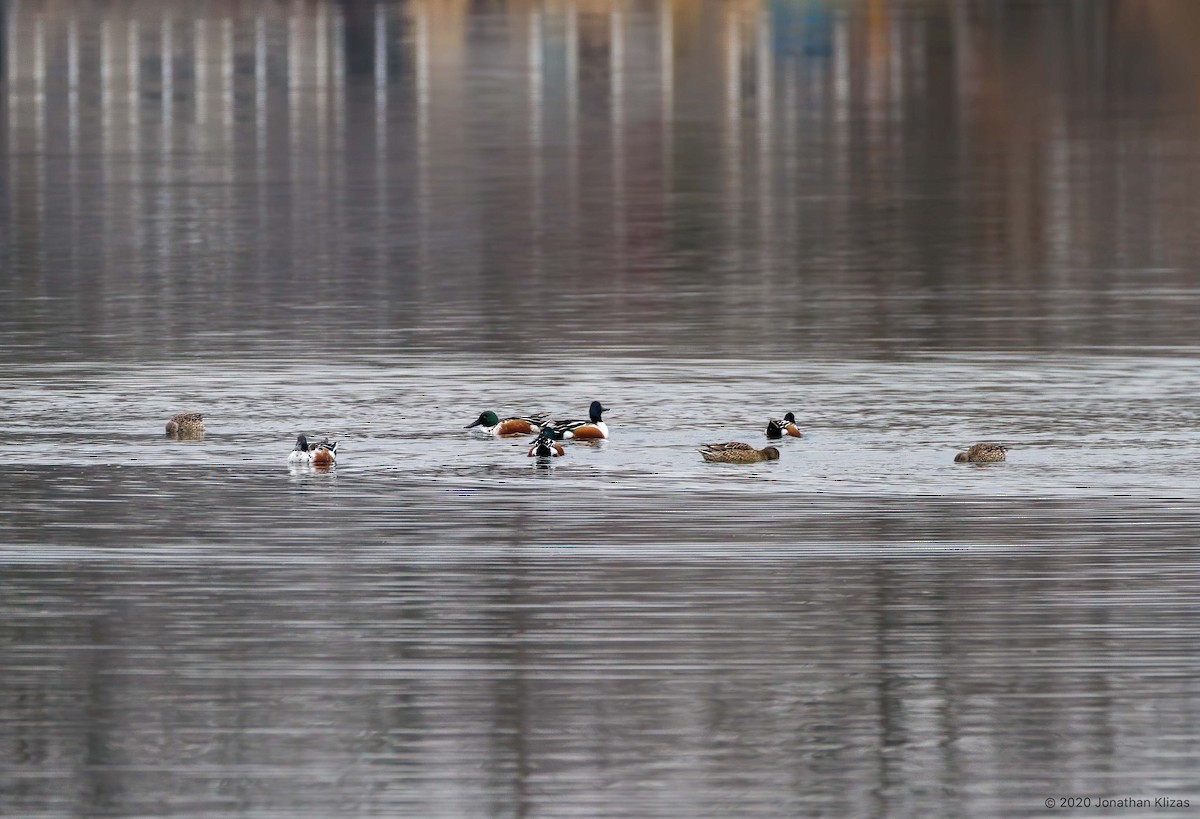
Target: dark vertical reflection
<point>358,37</point>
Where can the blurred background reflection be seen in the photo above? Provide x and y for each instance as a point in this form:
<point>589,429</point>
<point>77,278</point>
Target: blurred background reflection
<point>857,177</point>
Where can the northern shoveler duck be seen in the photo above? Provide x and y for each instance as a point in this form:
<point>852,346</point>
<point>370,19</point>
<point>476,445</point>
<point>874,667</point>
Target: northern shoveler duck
<point>322,454</point>
<point>982,454</point>
<point>545,446</point>
<point>592,429</point>
<point>777,428</point>
<point>325,453</point>
<point>185,425</point>
<point>490,424</point>
<point>735,452</point>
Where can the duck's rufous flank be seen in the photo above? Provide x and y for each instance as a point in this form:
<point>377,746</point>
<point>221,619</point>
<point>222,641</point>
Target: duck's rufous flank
<point>777,428</point>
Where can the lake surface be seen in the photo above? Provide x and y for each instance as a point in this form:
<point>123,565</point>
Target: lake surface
<point>916,225</point>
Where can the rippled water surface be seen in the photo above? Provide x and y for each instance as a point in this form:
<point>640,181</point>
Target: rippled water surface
<point>916,225</point>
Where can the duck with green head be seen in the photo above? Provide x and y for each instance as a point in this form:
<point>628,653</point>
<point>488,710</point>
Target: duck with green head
<point>490,423</point>
<point>544,446</point>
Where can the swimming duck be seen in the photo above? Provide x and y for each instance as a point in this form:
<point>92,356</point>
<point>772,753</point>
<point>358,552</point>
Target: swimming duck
<point>777,428</point>
<point>982,454</point>
<point>592,429</point>
<point>185,425</point>
<point>735,452</point>
<point>325,453</point>
<point>490,424</point>
<point>322,454</point>
<point>545,446</point>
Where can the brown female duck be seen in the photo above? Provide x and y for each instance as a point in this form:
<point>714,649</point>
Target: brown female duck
<point>981,454</point>
<point>185,425</point>
<point>735,452</point>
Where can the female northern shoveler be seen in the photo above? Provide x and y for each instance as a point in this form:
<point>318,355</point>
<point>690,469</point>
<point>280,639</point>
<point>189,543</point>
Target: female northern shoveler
<point>185,425</point>
<point>777,428</point>
<point>735,452</point>
<point>490,423</point>
<point>545,446</point>
<point>592,429</point>
<point>982,454</point>
<point>322,454</point>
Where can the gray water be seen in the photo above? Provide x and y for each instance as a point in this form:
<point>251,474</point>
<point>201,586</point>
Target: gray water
<point>917,225</point>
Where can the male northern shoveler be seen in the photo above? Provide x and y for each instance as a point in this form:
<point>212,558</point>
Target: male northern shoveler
<point>325,453</point>
<point>982,454</point>
<point>735,452</point>
<point>490,424</point>
<point>777,428</point>
<point>592,429</point>
<point>322,454</point>
<point>185,425</point>
<point>545,446</point>
<point>301,453</point>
